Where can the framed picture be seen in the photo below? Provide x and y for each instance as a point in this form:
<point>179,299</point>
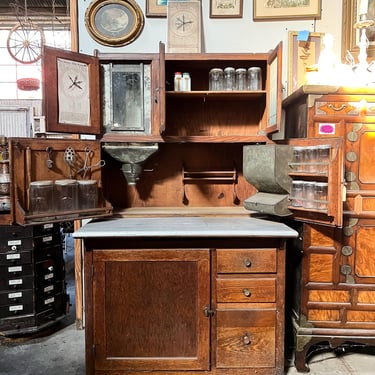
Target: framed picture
<point>302,56</point>
<point>226,8</point>
<point>157,8</point>
<point>286,9</point>
<point>71,92</point>
<point>351,35</point>
<point>114,23</point>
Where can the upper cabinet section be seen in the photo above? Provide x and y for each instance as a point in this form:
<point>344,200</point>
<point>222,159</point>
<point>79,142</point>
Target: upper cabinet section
<point>135,97</point>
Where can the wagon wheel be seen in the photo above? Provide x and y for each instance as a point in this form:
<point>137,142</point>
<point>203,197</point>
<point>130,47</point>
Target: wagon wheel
<point>25,42</point>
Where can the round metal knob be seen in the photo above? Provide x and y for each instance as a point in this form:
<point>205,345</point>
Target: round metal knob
<point>246,339</point>
<point>246,292</point>
<point>247,262</point>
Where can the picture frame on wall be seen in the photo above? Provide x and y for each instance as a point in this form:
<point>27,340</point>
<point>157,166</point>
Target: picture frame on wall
<point>226,8</point>
<point>286,9</point>
<point>351,35</point>
<point>302,57</point>
<point>157,8</point>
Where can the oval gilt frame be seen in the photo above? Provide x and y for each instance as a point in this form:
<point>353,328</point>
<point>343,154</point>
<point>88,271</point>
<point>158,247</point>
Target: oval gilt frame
<point>114,23</point>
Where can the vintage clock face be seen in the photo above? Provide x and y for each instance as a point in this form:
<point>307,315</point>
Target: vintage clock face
<point>114,22</point>
<point>184,31</point>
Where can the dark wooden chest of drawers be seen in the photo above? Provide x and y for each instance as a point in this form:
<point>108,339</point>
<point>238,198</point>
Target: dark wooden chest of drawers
<point>32,282</point>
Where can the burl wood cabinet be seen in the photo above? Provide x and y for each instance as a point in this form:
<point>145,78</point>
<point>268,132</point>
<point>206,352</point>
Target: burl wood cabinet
<point>334,300</point>
<point>173,295</point>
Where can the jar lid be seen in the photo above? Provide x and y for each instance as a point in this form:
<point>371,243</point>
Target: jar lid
<point>41,183</point>
<point>66,182</point>
<point>241,70</point>
<point>216,70</point>
<point>86,182</point>
<point>229,69</point>
<point>254,68</point>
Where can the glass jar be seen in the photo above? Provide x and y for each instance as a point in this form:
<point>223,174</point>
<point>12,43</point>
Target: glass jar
<point>66,195</point>
<point>310,159</point>
<point>298,159</point>
<point>254,78</point>
<point>87,194</point>
<point>321,195</point>
<point>216,79</point>
<point>309,195</point>
<point>229,78</point>
<point>5,184</point>
<point>323,157</point>
<point>297,193</point>
<point>241,81</point>
<point>41,197</point>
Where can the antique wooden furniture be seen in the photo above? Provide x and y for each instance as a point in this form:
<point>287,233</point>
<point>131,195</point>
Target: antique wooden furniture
<point>202,294</point>
<point>32,287</point>
<point>334,266</point>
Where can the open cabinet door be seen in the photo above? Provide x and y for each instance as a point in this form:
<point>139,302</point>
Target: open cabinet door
<point>274,90</point>
<point>327,211</point>
<point>71,92</point>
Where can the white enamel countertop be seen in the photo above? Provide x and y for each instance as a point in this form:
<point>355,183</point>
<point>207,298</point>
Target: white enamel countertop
<point>183,227</point>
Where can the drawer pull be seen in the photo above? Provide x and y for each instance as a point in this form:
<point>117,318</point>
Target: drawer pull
<point>246,339</point>
<point>247,262</point>
<point>246,292</point>
<point>207,312</point>
<point>337,109</point>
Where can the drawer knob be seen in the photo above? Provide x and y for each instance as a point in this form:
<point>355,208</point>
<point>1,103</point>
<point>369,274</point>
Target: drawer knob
<point>246,292</point>
<point>247,262</point>
<point>246,339</point>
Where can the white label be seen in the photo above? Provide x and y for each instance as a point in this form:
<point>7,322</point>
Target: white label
<point>15,269</point>
<point>47,239</point>
<point>13,256</point>
<point>49,300</point>
<point>14,243</point>
<point>48,288</point>
<point>16,308</point>
<point>14,295</point>
<point>49,276</point>
<point>48,226</point>
<point>15,282</point>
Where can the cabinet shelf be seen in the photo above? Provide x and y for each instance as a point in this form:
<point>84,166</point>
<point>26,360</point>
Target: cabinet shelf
<point>218,95</point>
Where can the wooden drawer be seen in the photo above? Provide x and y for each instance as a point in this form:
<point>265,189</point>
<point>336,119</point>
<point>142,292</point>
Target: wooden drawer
<point>245,338</point>
<point>246,261</point>
<point>18,257</point>
<point>246,289</point>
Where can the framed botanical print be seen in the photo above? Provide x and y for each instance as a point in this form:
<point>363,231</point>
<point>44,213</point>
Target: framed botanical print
<point>291,9</point>
<point>226,8</point>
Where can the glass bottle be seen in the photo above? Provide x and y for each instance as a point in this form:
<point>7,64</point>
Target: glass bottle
<point>229,78</point>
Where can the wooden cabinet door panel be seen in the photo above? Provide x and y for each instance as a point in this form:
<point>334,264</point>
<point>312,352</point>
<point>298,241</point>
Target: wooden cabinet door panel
<point>149,309</point>
<point>245,338</point>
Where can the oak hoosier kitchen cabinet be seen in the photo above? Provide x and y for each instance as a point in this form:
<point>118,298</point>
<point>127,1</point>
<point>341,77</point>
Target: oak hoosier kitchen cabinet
<point>334,299</point>
<point>182,277</point>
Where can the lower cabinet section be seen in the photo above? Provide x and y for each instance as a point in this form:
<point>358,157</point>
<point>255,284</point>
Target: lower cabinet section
<point>212,306</point>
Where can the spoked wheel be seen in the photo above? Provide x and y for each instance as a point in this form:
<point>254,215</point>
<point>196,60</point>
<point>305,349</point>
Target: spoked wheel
<point>25,43</point>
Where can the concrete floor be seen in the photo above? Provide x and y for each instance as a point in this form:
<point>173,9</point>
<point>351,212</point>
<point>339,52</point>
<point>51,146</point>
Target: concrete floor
<point>61,351</point>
